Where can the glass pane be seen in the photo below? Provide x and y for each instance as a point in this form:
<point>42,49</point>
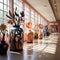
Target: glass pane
<point>32,20</point>
<point>8,8</point>
<point>8,2</point>
<point>27,9</point>
<point>15,1</point>
<point>5,22</point>
<point>5,8</point>
<point>20,9</point>
<point>20,4</point>
<point>32,17</point>
<point>20,0</point>
<point>1,0</point>
<point>27,13</point>
<point>36,18</point>
<point>32,14</point>
<point>1,21</point>
<point>1,6</point>
<point>1,14</point>
<point>5,1</point>
<point>15,6</point>
<point>41,20</point>
<point>5,15</point>
<point>32,11</point>
<point>26,20</point>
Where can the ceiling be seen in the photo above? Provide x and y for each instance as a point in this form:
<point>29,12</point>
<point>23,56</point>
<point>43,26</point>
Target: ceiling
<point>44,8</point>
<point>55,4</point>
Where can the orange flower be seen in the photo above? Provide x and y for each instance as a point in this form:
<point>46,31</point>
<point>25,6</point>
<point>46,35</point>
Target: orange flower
<point>29,25</point>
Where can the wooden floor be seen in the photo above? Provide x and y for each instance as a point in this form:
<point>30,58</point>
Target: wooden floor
<point>47,49</point>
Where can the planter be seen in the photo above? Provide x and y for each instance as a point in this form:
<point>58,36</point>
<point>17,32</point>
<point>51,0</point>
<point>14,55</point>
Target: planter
<point>3,46</point>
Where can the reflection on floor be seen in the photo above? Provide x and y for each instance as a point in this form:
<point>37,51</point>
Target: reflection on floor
<point>38,50</point>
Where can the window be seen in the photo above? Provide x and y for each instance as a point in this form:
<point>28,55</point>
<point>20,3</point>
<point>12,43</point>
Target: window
<point>5,2</point>
<point>4,8</point>
<point>1,6</point>
<point>19,5</point>
<point>36,21</point>
<point>32,18</point>
<point>42,21</point>
<point>39,19</point>
<point>27,13</point>
<point>1,0</point>
<point>1,14</point>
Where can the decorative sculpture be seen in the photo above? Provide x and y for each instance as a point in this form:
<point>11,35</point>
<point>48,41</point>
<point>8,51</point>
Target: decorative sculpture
<point>30,37</point>
<point>13,19</point>
<point>29,25</point>
<point>16,34</point>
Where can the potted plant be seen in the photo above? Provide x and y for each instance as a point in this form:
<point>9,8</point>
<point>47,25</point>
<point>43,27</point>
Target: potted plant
<point>3,44</point>
<point>15,20</point>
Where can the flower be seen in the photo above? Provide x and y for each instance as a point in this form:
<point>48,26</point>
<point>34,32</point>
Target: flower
<point>29,25</point>
<point>2,27</point>
<point>10,21</point>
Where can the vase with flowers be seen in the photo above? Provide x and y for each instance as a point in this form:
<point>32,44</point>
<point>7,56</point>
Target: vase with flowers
<point>17,33</point>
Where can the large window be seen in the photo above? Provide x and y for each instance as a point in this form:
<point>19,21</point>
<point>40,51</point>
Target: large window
<point>32,18</point>
<point>39,21</point>
<point>36,21</point>
<point>27,13</point>
<point>19,5</point>
<point>4,8</point>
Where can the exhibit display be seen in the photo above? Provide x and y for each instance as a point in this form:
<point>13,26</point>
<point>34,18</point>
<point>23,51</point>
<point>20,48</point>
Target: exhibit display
<point>30,37</point>
<point>3,44</point>
<point>16,32</point>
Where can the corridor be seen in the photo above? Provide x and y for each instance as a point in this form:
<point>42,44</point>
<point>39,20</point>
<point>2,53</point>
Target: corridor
<point>45,49</point>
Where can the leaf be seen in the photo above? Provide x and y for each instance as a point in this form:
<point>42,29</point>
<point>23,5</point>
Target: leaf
<point>22,14</point>
<point>16,14</point>
<point>9,16</point>
<point>10,13</point>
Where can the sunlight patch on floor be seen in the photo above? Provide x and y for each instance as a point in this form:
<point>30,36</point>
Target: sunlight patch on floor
<point>51,49</point>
